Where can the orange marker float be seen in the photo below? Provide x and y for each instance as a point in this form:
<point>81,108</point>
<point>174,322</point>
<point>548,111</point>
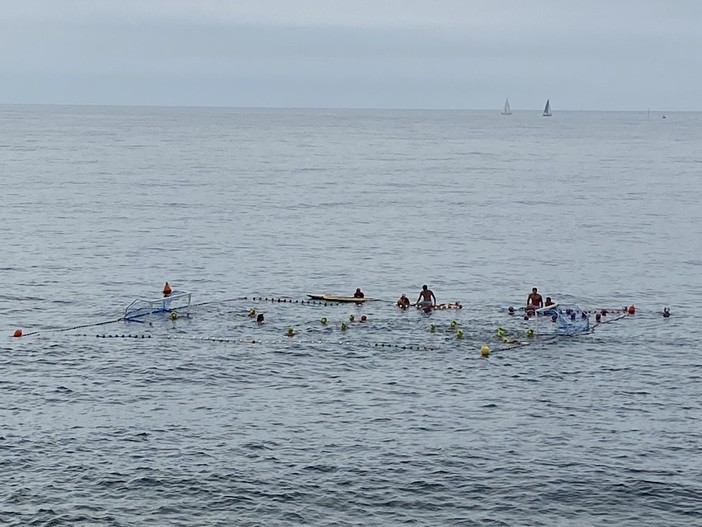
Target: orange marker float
<point>167,289</point>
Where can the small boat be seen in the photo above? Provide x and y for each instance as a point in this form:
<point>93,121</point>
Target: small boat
<point>326,297</point>
<point>177,301</point>
<point>569,318</point>
<point>507,110</point>
<point>547,108</point>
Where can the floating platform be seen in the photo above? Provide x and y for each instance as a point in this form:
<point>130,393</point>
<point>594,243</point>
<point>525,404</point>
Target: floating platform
<point>450,305</point>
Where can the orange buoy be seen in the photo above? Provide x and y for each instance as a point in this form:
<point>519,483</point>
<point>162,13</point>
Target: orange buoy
<point>167,289</point>
<point>632,309</point>
<point>17,333</point>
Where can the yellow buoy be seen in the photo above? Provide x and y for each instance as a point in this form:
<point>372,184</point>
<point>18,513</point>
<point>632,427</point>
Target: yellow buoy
<point>500,332</point>
<point>453,324</point>
<point>344,326</point>
<point>252,312</point>
<point>174,315</point>
<point>352,317</point>
<point>432,328</point>
<point>530,332</point>
<point>323,320</point>
<point>485,351</point>
<point>459,334</point>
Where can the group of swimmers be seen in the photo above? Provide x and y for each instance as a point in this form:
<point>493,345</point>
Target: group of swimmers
<point>426,299</point>
<point>534,301</point>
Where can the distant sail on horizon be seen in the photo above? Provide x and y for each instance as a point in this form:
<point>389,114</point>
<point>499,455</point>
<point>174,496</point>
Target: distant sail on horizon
<point>547,108</point>
<point>507,110</point>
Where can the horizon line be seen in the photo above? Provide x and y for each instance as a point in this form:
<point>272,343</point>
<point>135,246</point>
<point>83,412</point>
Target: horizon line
<point>363,108</point>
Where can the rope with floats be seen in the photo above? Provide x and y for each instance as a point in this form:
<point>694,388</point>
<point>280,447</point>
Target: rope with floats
<point>18,332</point>
<point>144,336</point>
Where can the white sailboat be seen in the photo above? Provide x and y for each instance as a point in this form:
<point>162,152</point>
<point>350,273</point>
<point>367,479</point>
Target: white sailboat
<point>507,110</point>
<point>547,108</point>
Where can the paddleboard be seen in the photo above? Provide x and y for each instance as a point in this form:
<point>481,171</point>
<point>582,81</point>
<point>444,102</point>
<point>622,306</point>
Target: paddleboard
<point>336,298</point>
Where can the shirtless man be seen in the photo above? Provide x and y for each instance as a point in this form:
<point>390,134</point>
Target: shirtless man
<point>549,302</point>
<point>534,301</point>
<point>426,298</point>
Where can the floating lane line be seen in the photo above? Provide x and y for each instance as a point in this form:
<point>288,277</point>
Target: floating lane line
<point>145,336</point>
<point>81,326</point>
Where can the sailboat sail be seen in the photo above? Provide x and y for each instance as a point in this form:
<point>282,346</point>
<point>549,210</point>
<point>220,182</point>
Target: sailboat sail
<point>547,108</point>
<point>507,110</point>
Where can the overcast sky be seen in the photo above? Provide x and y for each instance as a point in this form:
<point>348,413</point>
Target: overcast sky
<point>593,55</point>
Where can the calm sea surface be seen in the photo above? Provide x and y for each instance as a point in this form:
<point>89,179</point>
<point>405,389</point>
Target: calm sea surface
<point>213,420</point>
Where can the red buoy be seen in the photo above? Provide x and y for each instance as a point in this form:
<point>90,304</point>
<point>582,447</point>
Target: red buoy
<point>17,333</point>
<point>632,309</point>
<point>167,289</point>
<point>363,318</point>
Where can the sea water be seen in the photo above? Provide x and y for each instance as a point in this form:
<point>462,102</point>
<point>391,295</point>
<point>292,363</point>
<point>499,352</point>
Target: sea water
<point>211,419</point>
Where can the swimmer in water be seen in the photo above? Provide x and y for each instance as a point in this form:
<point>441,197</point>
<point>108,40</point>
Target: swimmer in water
<point>403,301</point>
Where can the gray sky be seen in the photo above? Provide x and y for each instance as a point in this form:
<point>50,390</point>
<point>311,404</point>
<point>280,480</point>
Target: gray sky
<point>593,55</point>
